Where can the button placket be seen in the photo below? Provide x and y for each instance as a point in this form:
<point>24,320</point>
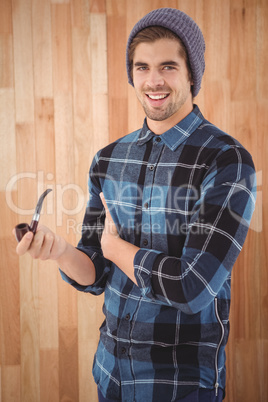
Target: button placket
<point>145,240</point>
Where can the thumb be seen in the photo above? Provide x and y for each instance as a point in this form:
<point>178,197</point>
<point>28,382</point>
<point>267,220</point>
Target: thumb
<point>104,204</point>
<point>107,212</point>
<point>25,243</point>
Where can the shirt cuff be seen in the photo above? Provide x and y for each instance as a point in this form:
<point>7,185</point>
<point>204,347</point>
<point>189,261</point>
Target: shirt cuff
<point>143,267</point>
<point>95,289</point>
<point>102,269</point>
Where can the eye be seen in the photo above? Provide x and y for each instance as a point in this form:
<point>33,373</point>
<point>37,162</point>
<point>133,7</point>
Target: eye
<point>168,68</point>
<point>142,68</point>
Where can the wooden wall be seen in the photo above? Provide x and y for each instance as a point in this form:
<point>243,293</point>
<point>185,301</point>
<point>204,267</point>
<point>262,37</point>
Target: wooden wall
<point>63,95</point>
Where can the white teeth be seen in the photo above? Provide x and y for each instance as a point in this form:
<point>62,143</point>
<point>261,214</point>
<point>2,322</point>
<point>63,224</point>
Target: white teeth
<point>157,96</point>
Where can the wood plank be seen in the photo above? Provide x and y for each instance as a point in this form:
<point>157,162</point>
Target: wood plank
<point>10,383</point>
<point>262,49</point>
<point>262,359</point>
<point>246,288</point>
<point>262,257</point>
<point>99,81</point>
<point>23,60</point>
<point>10,302</point>
<point>68,364</point>
<point>218,112</point>
<point>28,268</point>
<point>48,272</point>
<point>49,375</point>
<point>5,16</point>
<point>42,49</point>
<point>60,1</point>
<point>8,164</point>
<point>97,6</point>
<point>62,50</point>
<point>195,9</point>
<point>82,104</point>
<point>26,180</point>
<point>45,137</point>
<point>67,304</point>
<point>243,49</point>
<point>30,360</point>
<point>80,14</point>
<point>63,112</point>
<point>217,37</point>
<point>6,61</point>
<point>64,142</point>
<point>251,390</point>
<point>48,305</point>
<point>118,102</point>
<point>243,115</point>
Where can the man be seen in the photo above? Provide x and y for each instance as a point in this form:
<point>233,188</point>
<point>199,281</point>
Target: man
<point>178,198</point>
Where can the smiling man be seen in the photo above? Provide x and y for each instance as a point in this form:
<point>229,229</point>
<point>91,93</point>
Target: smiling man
<point>178,196</point>
<point>162,84</point>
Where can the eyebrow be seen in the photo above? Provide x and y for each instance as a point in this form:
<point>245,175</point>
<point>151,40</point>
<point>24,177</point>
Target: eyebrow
<point>164,63</point>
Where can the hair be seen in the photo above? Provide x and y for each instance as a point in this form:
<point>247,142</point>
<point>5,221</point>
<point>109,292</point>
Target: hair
<point>152,34</point>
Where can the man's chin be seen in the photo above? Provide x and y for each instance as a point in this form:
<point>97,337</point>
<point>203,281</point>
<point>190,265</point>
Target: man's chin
<point>157,115</point>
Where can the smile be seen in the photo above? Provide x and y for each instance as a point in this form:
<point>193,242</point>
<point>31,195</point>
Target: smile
<point>157,97</point>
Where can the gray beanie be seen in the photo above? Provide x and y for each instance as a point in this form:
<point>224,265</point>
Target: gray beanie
<point>186,29</point>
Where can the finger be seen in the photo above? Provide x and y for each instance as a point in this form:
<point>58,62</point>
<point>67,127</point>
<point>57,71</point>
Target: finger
<point>25,243</point>
<point>108,215</point>
<point>103,201</point>
<point>42,243</point>
<point>46,247</point>
<point>37,244</point>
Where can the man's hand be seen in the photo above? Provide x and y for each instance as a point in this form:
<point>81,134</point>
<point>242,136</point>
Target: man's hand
<point>110,227</point>
<point>43,245</point>
<point>110,231</point>
<point>46,245</point>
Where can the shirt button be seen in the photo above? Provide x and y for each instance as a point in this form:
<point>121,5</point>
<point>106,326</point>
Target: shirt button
<point>158,139</point>
<point>123,351</point>
<point>151,167</point>
<point>127,317</point>
<point>145,242</point>
<point>146,205</point>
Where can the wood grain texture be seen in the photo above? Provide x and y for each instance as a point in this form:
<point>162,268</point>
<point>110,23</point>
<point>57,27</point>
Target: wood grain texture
<point>23,60</point>
<point>64,95</point>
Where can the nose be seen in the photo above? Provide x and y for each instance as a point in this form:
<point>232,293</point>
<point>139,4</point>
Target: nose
<point>155,79</point>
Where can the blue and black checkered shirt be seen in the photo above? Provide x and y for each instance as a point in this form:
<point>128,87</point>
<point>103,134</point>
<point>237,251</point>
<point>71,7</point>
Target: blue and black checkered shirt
<point>185,198</point>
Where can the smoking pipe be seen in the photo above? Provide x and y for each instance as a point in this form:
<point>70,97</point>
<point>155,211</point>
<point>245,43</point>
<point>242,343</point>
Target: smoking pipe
<point>22,228</point>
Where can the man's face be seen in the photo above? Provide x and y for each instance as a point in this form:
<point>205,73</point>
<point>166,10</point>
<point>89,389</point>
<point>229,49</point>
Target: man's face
<point>161,81</point>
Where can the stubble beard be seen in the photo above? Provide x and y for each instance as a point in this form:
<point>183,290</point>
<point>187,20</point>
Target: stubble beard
<point>159,114</point>
<point>162,113</point>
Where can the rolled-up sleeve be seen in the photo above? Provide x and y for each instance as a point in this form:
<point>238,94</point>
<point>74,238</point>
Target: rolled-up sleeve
<point>91,234</point>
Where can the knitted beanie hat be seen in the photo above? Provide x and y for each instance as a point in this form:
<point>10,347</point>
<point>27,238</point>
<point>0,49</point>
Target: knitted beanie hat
<point>186,29</point>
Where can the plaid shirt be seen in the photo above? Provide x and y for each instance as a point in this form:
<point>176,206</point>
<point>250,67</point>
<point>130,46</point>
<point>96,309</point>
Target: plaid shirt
<point>185,198</point>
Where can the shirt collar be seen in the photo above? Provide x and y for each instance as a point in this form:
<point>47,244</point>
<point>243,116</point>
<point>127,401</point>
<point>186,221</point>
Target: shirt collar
<point>177,134</point>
